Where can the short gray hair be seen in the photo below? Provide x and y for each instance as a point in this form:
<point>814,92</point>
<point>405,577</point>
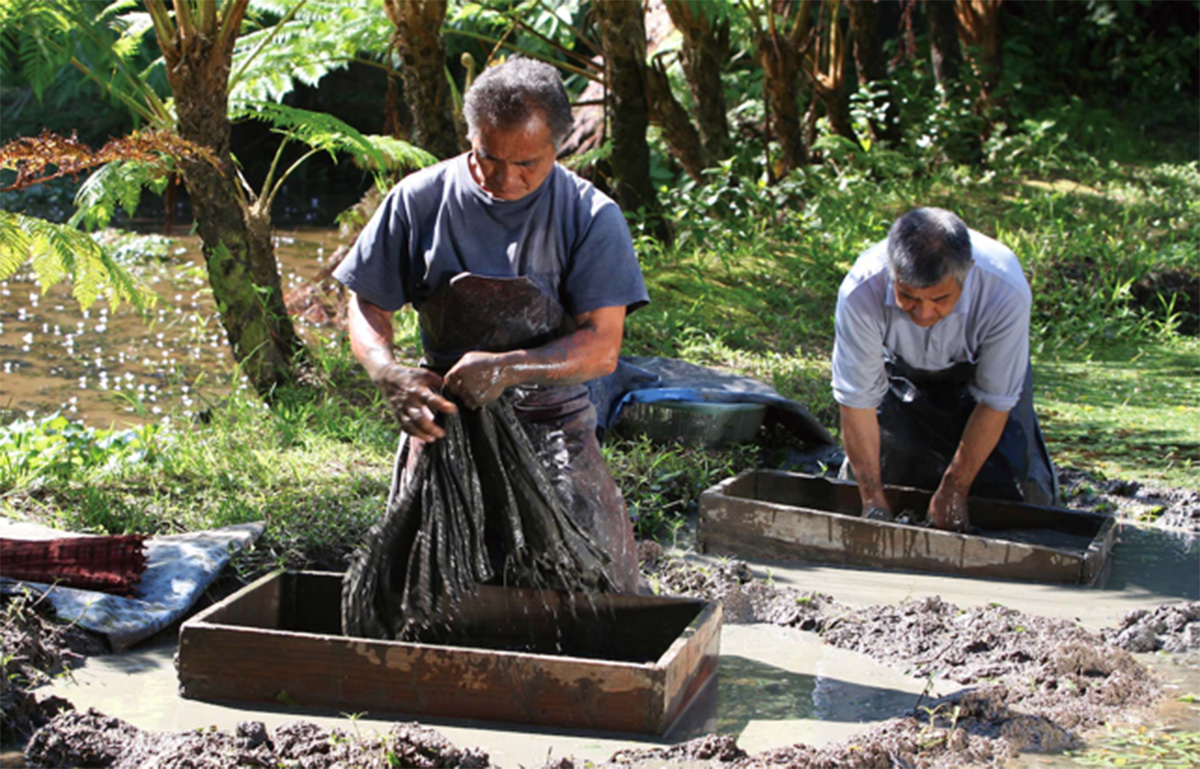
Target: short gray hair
<point>508,95</point>
<point>927,244</point>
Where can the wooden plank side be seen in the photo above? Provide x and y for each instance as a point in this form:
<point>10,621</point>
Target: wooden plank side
<point>255,605</point>
<point>1098,552</point>
<point>761,529</point>
<point>689,663</point>
<point>221,662</point>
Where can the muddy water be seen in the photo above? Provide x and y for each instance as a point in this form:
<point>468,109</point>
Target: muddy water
<point>115,367</point>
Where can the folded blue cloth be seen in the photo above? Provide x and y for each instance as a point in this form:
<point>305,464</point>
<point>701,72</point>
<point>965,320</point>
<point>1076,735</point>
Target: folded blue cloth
<point>179,568</point>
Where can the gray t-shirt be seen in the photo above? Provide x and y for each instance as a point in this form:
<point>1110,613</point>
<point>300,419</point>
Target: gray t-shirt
<point>989,326</point>
<point>566,236</point>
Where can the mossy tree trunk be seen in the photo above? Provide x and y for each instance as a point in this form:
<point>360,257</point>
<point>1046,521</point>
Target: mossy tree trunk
<point>781,44</point>
<point>703,54</point>
<point>670,116</point>
<point>197,46</point>
<point>422,50</point>
<point>623,39</point>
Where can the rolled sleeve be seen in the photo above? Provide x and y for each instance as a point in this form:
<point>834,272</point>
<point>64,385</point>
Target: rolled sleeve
<point>1003,356</point>
<point>859,373</point>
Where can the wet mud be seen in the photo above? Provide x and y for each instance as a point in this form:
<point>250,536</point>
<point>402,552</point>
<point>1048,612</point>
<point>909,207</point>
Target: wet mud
<point>93,739</point>
<point>1172,628</point>
<point>1173,508</point>
<point>1028,684</point>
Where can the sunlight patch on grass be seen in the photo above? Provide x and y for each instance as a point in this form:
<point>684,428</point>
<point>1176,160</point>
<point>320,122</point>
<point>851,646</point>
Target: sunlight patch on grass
<point>1127,412</point>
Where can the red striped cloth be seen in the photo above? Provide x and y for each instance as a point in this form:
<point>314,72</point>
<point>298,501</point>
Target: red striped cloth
<point>112,564</point>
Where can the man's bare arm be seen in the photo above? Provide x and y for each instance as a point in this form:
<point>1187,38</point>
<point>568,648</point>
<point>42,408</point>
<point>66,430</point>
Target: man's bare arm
<point>590,351</point>
<point>860,435</point>
<point>948,506</point>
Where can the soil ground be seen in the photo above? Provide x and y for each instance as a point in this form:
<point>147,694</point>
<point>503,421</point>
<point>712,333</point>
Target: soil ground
<point>1028,683</point>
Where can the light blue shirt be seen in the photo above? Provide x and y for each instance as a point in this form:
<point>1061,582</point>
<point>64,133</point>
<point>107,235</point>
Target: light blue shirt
<point>989,326</point>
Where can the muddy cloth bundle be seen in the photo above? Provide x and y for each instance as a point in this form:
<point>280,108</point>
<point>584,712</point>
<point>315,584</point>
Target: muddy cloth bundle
<point>478,506</point>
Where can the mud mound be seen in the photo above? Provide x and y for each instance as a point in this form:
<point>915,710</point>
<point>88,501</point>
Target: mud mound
<point>710,748</point>
<point>1171,507</point>
<point>1036,683</point>
<point>1171,627</point>
<point>92,739</point>
<point>36,647</point>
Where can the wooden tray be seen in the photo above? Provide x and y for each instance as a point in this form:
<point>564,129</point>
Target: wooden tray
<point>792,516</point>
<point>628,663</point>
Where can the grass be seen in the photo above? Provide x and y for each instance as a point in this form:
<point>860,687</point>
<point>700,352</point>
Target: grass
<point>751,292</point>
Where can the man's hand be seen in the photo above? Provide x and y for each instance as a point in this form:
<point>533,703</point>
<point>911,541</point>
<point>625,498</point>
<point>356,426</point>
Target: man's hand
<point>412,394</point>
<point>948,508</point>
<point>479,378</point>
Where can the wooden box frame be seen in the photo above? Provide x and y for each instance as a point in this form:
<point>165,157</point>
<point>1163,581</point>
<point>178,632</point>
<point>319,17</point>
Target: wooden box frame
<point>779,515</point>
<point>279,640</point>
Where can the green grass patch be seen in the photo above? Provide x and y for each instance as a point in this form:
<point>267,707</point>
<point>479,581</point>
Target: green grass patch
<point>1129,412</point>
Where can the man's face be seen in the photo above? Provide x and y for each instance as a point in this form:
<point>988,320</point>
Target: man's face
<point>511,163</point>
<point>926,306</point>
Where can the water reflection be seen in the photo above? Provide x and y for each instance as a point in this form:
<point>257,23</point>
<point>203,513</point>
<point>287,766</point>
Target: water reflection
<point>753,690</point>
<point>112,366</point>
<point>1165,562</point>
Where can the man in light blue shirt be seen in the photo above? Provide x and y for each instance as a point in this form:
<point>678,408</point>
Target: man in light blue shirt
<point>931,370</point>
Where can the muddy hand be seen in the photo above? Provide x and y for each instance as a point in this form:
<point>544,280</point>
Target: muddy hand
<point>948,509</point>
<point>412,394</point>
<point>479,378</point>
<point>878,513</point>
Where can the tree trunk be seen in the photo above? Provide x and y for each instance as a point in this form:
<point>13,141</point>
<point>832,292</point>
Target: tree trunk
<point>871,64</point>
<point>423,64</point>
<point>669,115</point>
<point>943,44</point>
<point>704,52</point>
<point>237,251</point>
<point>781,58</point>
<point>979,33</point>
<point>827,67</point>
<point>623,39</point>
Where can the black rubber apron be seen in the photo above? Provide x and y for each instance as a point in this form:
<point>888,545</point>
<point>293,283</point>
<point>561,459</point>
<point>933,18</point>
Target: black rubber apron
<point>474,312</point>
<point>921,422</point>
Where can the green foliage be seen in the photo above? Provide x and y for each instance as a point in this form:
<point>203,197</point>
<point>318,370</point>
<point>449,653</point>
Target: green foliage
<point>662,484</point>
<point>57,251</point>
<point>116,184</point>
<point>54,448</point>
<point>1142,749</point>
<point>301,42</point>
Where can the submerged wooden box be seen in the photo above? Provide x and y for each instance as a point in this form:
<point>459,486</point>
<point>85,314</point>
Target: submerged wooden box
<point>627,663</point>
<point>792,516</point>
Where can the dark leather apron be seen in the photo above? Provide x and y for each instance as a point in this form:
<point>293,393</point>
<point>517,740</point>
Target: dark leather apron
<point>921,422</point>
<point>473,312</point>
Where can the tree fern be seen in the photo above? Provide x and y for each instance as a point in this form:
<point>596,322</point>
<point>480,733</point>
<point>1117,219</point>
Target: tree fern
<point>325,133</point>
<point>58,251</point>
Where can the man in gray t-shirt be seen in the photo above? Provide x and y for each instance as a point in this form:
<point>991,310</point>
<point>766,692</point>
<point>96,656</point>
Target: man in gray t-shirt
<point>522,274</point>
<point>931,370</point>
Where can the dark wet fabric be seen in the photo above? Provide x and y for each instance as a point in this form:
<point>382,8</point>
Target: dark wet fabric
<point>477,506</point>
<point>558,424</point>
<point>921,422</point>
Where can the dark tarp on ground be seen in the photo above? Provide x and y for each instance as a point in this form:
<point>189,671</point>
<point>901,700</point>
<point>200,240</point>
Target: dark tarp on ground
<point>640,379</point>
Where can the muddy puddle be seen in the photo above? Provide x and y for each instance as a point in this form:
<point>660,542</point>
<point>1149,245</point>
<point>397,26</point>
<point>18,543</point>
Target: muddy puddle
<point>117,367</point>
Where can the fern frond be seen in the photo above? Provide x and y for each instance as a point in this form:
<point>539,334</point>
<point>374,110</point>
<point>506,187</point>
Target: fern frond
<point>57,252</point>
<point>118,183</point>
<point>399,155</point>
<point>318,130</point>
